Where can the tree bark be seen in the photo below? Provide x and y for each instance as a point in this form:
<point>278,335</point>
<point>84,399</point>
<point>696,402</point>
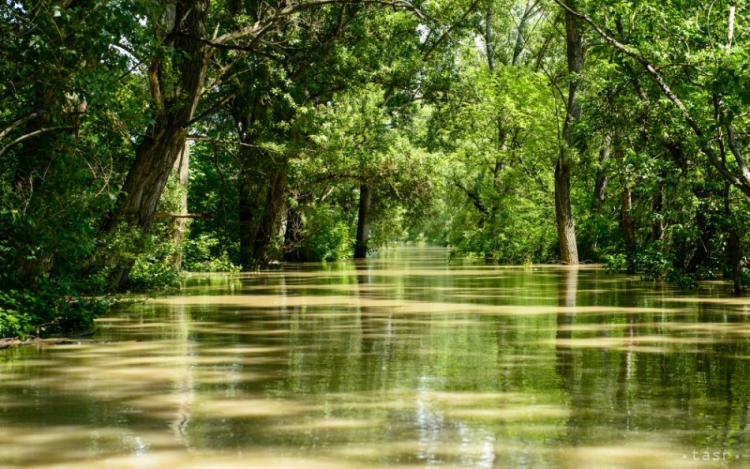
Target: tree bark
<point>363,230</point>
<point>563,206</point>
<point>165,138</point>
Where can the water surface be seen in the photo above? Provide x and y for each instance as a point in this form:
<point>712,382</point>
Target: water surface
<point>405,360</point>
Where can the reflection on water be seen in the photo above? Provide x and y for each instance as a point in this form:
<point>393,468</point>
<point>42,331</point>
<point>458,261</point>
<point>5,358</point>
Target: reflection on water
<point>404,360</point>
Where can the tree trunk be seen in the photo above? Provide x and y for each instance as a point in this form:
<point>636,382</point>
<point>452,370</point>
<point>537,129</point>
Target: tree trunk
<point>521,32</point>
<point>165,138</point>
<point>706,230</point>
<point>734,246</point>
<point>600,185</point>
<point>182,167</point>
<point>251,201</point>
<point>363,231</point>
<point>268,227</point>
<point>627,224</point>
<point>489,37</point>
<point>563,207</point>
<point>657,206</point>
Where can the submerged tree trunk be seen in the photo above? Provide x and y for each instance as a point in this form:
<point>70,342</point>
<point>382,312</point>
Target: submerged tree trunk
<point>365,199</point>
<point>563,206</point>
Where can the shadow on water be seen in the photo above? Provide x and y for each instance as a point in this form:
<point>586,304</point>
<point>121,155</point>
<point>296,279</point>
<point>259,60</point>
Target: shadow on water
<point>404,360</point>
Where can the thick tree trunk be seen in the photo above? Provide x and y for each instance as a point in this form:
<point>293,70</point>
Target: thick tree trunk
<point>563,207</point>
<point>164,140</point>
<point>363,230</point>
<point>182,167</point>
<point>145,182</point>
<point>564,212</point>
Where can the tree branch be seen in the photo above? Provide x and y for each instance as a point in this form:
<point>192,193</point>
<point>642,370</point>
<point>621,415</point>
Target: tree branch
<point>15,124</point>
<point>448,32</point>
<point>210,110</point>
<point>474,198</point>
<point>260,28</point>
<point>29,135</point>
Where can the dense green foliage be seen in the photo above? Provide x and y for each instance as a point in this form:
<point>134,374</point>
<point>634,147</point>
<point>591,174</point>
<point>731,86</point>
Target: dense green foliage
<point>295,131</point>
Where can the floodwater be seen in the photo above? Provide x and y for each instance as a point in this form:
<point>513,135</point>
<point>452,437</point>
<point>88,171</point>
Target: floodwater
<point>405,360</point>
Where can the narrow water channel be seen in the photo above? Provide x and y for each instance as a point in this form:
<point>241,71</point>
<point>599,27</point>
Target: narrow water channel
<point>405,360</point>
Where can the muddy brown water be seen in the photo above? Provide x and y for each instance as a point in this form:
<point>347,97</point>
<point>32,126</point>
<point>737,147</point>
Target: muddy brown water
<point>405,360</point>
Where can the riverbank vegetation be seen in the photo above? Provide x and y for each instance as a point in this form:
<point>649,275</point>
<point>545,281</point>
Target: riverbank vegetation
<point>143,138</point>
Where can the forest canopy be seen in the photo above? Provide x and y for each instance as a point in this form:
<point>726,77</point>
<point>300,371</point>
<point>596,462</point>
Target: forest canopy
<point>143,138</point>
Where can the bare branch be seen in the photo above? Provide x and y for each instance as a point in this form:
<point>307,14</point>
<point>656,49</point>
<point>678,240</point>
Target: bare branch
<point>30,135</point>
<point>15,124</point>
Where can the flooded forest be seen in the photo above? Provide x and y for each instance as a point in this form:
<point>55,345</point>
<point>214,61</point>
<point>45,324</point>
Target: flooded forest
<point>374,233</point>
